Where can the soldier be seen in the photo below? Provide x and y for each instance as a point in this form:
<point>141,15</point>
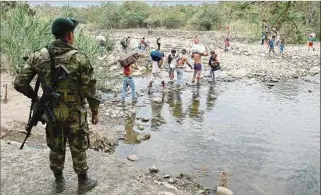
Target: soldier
<point>70,113</point>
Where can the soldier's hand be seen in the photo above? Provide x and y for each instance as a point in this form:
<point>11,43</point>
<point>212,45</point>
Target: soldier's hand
<point>95,119</point>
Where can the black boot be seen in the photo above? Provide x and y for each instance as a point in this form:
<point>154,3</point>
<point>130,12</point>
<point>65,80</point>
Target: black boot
<point>59,182</point>
<point>85,184</point>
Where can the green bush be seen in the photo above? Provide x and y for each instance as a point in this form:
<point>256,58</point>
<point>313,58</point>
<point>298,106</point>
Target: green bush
<point>21,34</point>
<point>207,18</point>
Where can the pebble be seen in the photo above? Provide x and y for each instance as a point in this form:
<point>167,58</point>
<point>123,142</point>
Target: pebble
<point>200,192</point>
<point>169,186</point>
<point>132,157</point>
<point>140,127</point>
<point>310,91</point>
<point>212,96</point>
<point>153,169</point>
<point>171,181</point>
<point>166,176</point>
<point>2,135</point>
<point>165,193</point>
<point>315,70</point>
<point>270,84</point>
<point>157,100</point>
<point>223,191</point>
<point>143,137</point>
<point>144,119</point>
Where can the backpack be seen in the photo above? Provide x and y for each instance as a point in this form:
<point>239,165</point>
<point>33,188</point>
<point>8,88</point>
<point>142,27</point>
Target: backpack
<point>156,56</point>
<point>128,59</point>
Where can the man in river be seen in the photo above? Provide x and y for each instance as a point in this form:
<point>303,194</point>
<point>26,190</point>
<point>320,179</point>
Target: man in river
<point>157,62</point>
<point>180,67</point>
<point>76,85</point>
<point>198,64</point>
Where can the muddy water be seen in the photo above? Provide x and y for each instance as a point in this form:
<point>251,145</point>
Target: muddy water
<point>268,139</point>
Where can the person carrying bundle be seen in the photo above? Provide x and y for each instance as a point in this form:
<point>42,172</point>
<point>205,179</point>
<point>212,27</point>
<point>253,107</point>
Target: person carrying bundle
<point>128,62</point>
<point>157,60</point>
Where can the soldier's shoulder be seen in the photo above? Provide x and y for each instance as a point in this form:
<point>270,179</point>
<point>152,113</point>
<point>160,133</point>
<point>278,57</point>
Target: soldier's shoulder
<point>80,57</point>
<point>38,56</point>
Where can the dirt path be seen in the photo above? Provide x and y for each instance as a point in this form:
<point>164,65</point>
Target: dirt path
<point>27,172</point>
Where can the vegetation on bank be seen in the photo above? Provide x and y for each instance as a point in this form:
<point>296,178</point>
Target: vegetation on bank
<point>295,20</point>
<point>23,31</point>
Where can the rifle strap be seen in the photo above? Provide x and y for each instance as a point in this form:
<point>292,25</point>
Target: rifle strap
<point>37,84</point>
<point>52,67</point>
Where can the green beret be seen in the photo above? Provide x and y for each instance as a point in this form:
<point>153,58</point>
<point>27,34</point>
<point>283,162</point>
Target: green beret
<point>63,25</point>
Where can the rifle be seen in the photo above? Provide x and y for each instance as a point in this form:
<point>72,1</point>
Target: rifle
<point>44,105</point>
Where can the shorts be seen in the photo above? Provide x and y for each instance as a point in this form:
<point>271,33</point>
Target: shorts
<point>198,67</point>
<point>310,44</point>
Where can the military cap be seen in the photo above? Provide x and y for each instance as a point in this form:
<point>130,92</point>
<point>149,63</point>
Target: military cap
<point>63,25</point>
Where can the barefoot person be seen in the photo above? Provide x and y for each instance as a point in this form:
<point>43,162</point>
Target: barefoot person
<point>180,67</point>
<point>157,60</point>
<point>172,59</point>
<point>214,64</point>
<point>197,56</point>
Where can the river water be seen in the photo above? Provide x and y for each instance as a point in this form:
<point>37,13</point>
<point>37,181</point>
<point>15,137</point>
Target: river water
<point>266,138</point>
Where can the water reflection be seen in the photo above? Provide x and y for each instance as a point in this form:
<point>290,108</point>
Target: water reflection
<point>130,135</point>
<point>210,100</point>
<point>157,119</point>
<point>178,109</point>
<point>194,112</point>
<point>174,101</point>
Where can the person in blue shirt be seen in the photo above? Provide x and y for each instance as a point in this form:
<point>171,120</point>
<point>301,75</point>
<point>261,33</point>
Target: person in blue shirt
<point>271,46</point>
<point>282,43</point>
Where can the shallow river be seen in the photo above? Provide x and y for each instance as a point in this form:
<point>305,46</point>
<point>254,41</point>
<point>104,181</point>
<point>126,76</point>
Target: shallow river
<point>268,139</point>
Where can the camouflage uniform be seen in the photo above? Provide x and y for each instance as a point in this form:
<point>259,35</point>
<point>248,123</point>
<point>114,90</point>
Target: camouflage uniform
<point>70,112</point>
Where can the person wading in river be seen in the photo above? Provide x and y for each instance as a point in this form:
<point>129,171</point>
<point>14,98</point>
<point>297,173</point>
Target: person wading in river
<point>157,60</point>
<point>198,64</point>
<point>172,59</point>
<point>214,64</point>
<point>180,67</point>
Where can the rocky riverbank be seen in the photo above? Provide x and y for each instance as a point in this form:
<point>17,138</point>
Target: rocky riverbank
<point>241,62</point>
<point>27,172</point>
<point>244,60</point>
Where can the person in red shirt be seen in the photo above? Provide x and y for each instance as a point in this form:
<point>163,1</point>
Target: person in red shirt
<point>227,44</point>
<point>129,81</point>
<point>143,45</point>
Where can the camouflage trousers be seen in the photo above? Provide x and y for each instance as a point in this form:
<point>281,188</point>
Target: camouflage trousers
<point>75,131</point>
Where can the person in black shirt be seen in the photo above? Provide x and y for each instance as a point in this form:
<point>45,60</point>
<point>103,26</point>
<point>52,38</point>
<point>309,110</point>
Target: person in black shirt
<point>214,64</point>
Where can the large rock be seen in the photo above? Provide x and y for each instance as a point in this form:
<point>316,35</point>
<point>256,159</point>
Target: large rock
<point>153,169</point>
<point>143,137</point>
<point>315,70</point>
<point>157,100</point>
<point>223,191</point>
<point>132,157</point>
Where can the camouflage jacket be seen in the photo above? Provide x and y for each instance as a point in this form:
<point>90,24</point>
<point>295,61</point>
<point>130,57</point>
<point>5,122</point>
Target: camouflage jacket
<point>80,84</point>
